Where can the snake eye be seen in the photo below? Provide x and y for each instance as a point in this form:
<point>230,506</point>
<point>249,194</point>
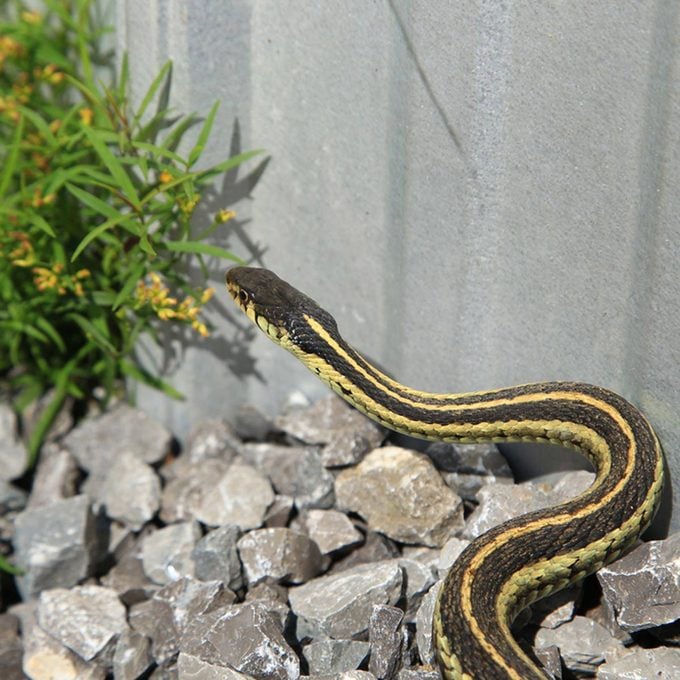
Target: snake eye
<point>243,297</point>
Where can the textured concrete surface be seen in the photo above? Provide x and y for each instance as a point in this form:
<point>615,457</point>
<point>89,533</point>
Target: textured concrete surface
<point>482,193</point>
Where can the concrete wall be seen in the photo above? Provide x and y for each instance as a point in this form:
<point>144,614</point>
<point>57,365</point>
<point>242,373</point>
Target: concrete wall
<point>482,193</point>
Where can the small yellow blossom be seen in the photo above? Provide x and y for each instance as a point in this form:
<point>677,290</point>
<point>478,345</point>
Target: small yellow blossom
<point>224,215</point>
<point>32,17</point>
<point>86,115</point>
<point>188,205</point>
<point>23,255</point>
<point>54,126</point>
<point>207,295</point>
<point>165,177</point>
<point>45,278</point>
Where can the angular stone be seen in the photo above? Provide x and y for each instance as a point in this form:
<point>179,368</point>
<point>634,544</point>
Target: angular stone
<point>86,619</point>
<point>583,644</point>
<point>643,664</point>
<point>385,639</point>
<point>55,545</point>
<point>279,512</point>
<point>154,619</point>
<point>400,493</point>
<point>132,657</point>
<point>279,555</point>
<point>55,476</point>
<point>424,641</point>
<point>98,441</point>
<point>558,608</point>
<point>130,491</point>
<point>347,675</point>
<point>250,424</point>
<point>331,530</point>
<point>128,579</point>
<point>190,667</point>
<point>295,471</point>
<point>11,648</point>
<point>13,454</point>
<point>499,502</point>
<point>166,553</point>
<point>334,656</point>
<point>320,422</point>
<point>339,606</point>
<point>419,578</point>
<point>216,557</point>
<point>643,587</point>
<point>449,553</point>
<point>468,467</point>
<point>212,439</point>
<point>550,659</point>
<point>184,493</point>
<point>418,673</point>
<point>247,638</point>
<point>237,495</point>
<point>376,548</point>
<point>12,498</point>
<point>45,658</point>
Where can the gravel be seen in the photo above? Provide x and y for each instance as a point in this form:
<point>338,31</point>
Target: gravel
<point>285,548</point>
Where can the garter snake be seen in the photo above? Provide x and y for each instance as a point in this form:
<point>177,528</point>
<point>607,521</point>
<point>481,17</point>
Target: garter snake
<point>524,559</point>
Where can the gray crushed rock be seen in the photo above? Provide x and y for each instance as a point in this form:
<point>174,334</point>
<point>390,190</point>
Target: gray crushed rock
<point>339,606</point>
<point>216,557</point>
<point>166,553</point>
<point>56,545</point>
<point>247,559</point>
<point>583,643</point>
<point>279,555</point>
<point>56,476</point>
<point>385,639</point>
<point>334,656</point>
<point>294,471</point>
<point>400,493</point>
<point>331,530</point>
<point>88,620</point>
<point>131,491</point>
<point>643,587</point>
<point>13,453</point>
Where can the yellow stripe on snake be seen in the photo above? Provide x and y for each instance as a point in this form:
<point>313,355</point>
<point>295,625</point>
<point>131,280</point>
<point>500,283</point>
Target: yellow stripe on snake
<point>522,560</point>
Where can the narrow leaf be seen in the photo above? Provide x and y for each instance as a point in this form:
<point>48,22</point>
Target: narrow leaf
<point>143,376</point>
<point>201,248</point>
<point>203,135</point>
<point>166,71</point>
<point>11,160</point>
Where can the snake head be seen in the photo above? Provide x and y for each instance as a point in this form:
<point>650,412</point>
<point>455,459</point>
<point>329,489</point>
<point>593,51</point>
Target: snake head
<point>280,310</point>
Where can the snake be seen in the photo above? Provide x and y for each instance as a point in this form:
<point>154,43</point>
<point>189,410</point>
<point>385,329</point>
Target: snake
<point>524,559</point>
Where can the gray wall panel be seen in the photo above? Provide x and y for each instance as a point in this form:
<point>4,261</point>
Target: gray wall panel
<point>481,192</point>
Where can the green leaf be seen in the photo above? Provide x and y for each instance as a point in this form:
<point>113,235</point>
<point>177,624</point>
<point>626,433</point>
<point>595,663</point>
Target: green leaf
<point>203,135</point>
<point>117,171</point>
<point>8,567</point>
<point>51,331</point>
<point>202,249</point>
<point>166,71</point>
<point>40,222</point>
<point>133,277</point>
<point>25,328</point>
<point>12,156</point>
<point>92,332</point>
<point>99,206</point>
<point>158,151</point>
<point>230,163</point>
<point>143,376</point>
<point>39,123</point>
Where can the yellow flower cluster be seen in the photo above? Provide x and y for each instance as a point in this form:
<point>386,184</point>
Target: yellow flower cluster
<point>23,254</point>
<point>157,296</point>
<point>54,278</point>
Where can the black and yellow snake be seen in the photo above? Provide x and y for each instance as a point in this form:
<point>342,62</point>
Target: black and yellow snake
<point>524,559</point>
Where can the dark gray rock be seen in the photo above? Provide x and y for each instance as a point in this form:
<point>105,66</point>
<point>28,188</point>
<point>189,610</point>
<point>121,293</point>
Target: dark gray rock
<point>376,548</point>
<point>244,637</point>
<point>295,471</point>
<point>418,674</point>
<point>279,555</point>
<point>86,619</point>
<point>55,544</point>
<point>128,579</point>
<point>13,453</point>
<point>334,656</point>
<point>55,476</point>
<point>250,424</point>
<point>385,639</point>
<point>583,644</point>
<point>400,493</point>
<point>166,553</point>
<point>216,557</point>
<point>449,553</point>
<point>191,667</point>
<point>339,606</point>
<point>424,616</point>
<point>211,439</point>
<point>419,578</point>
<point>96,442</point>
<point>643,588</point>
<point>279,512</point>
<point>11,648</point>
<point>643,664</point>
<point>331,530</point>
<point>132,656</point>
<point>130,491</point>
<point>12,498</point>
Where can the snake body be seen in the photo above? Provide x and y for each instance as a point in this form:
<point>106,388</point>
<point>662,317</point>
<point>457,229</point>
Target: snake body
<point>521,560</point>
